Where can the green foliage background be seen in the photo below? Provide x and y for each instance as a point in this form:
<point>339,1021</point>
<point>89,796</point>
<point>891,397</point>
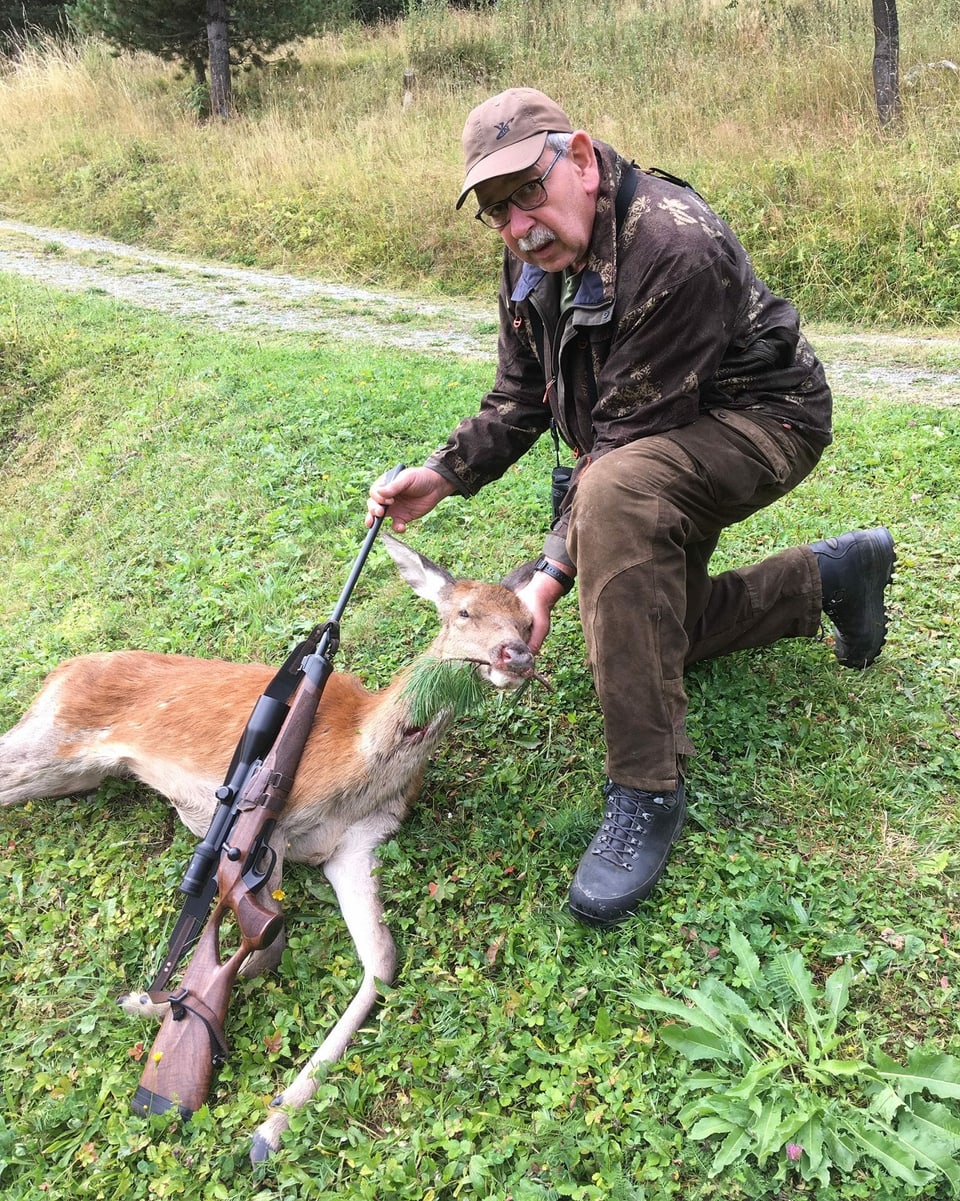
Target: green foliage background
<point>179,490</point>
<point>177,29</point>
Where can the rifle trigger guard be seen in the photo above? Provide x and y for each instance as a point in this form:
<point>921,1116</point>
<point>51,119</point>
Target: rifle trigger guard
<point>260,870</point>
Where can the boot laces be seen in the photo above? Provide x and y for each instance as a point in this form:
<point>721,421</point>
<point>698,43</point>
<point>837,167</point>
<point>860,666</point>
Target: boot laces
<point>626,822</point>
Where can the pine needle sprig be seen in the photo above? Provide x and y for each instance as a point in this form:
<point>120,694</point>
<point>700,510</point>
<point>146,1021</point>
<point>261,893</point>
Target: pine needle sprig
<point>435,685</point>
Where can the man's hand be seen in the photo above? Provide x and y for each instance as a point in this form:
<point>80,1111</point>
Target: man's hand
<point>414,492</point>
<point>540,594</point>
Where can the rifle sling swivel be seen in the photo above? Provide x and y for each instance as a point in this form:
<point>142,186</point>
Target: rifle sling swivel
<point>183,1004</point>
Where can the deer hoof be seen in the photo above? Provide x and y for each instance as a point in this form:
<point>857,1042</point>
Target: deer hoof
<point>267,1138</point>
<point>139,1005</point>
<point>260,1150</point>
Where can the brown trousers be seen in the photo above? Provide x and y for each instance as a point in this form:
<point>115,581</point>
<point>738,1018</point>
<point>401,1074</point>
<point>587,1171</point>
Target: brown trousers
<point>645,520</point>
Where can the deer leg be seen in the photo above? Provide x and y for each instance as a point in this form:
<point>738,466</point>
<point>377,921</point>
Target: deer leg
<point>36,762</point>
<point>351,872</point>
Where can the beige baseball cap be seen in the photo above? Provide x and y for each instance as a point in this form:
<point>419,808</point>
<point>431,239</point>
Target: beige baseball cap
<point>507,133</point>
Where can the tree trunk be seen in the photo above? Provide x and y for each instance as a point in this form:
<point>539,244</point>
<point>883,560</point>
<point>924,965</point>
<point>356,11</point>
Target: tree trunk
<point>886,60</point>
<point>218,45</point>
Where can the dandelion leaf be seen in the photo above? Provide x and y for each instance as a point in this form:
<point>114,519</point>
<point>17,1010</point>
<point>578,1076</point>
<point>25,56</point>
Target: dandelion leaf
<point>695,1044</point>
<point>837,994</point>
<point>748,964</point>
<point>893,1153</point>
<point>927,1071</point>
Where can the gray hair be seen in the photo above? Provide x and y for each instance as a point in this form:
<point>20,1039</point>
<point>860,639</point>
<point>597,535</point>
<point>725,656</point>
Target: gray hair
<point>559,142</point>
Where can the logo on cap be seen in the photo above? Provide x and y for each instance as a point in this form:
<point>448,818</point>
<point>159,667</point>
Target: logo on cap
<point>503,128</point>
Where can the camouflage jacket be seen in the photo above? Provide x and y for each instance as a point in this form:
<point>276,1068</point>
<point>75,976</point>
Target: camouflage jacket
<point>669,321</point>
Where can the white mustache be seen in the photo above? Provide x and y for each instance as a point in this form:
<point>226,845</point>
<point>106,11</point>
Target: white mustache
<point>536,239</point>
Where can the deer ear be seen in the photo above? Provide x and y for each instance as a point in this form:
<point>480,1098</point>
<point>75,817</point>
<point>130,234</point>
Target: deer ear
<point>424,577</point>
<point>519,576</point>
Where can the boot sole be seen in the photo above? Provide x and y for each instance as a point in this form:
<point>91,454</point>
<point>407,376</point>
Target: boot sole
<point>879,545</point>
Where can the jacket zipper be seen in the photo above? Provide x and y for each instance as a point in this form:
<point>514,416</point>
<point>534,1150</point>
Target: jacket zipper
<point>553,374</point>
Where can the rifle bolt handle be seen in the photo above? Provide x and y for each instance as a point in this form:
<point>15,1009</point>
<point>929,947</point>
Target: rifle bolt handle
<point>231,852</point>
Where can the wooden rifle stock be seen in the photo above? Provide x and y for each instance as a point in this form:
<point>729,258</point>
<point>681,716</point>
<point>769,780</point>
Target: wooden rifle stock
<point>191,1041</point>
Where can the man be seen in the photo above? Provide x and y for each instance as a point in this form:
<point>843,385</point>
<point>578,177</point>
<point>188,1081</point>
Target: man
<point>631,320</point>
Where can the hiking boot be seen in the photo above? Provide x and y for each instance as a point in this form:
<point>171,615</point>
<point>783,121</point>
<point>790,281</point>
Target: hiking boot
<point>855,569</point>
<point>628,853</point>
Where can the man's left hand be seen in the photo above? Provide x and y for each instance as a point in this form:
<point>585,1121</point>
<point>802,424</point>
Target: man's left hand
<point>540,594</point>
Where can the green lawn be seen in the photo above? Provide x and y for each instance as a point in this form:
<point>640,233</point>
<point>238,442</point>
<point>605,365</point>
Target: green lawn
<point>172,489</point>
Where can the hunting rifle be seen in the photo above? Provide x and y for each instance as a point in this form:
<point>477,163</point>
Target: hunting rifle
<point>235,859</point>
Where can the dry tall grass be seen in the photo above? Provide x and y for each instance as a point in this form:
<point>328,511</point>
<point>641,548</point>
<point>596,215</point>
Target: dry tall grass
<point>768,106</point>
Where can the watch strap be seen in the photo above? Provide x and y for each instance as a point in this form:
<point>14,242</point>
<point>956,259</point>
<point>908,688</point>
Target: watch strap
<point>555,573</point>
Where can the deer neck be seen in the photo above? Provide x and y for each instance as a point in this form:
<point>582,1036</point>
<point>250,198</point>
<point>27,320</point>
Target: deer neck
<point>392,731</point>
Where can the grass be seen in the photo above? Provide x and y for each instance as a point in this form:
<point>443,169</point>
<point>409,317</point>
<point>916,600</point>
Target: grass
<point>767,108</point>
<point>172,489</point>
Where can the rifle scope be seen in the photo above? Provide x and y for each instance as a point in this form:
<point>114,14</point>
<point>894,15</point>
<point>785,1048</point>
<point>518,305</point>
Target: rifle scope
<point>260,734</point>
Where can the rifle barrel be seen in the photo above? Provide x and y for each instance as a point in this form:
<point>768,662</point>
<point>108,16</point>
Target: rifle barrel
<point>362,556</point>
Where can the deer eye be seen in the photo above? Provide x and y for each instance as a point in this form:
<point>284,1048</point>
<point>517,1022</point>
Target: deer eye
<point>463,613</point>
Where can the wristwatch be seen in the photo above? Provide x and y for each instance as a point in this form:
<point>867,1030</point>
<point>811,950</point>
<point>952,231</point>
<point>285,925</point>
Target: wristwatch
<point>554,573</point>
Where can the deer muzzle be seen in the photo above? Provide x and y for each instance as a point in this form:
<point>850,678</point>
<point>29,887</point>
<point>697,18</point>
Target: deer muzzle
<point>510,664</point>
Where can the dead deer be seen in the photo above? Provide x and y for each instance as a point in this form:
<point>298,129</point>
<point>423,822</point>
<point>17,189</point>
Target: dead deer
<point>173,722</point>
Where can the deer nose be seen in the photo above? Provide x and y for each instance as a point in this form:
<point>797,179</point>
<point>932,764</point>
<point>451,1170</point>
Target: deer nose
<point>514,656</point>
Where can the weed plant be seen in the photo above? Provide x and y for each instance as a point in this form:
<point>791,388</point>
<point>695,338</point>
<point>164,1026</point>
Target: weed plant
<point>180,491</point>
<point>783,1074</point>
<point>766,107</point>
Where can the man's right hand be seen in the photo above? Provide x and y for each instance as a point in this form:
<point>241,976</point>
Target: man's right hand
<point>414,492</point>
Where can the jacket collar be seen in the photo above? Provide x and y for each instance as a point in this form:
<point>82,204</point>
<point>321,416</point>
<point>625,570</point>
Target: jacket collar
<point>590,293</point>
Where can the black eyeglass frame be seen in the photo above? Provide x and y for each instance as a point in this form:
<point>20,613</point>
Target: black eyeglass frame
<point>539,182</point>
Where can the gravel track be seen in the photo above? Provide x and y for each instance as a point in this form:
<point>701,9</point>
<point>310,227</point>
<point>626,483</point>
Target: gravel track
<point>909,368</point>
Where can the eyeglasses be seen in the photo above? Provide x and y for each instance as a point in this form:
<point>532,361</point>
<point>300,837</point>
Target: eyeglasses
<point>529,195</point>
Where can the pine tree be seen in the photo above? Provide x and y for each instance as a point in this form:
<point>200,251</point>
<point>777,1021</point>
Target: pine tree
<point>20,20</point>
<point>205,35</point>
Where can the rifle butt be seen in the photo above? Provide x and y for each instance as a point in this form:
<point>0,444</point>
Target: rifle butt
<point>180,1065</point>
<point>191,1040</point>
<point>145,1103</point>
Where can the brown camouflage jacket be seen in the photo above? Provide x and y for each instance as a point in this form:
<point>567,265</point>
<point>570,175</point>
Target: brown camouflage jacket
<point>669,321</point>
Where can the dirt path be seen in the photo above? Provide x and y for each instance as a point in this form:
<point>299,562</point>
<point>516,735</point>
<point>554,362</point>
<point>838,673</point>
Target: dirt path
<point>915,368</point>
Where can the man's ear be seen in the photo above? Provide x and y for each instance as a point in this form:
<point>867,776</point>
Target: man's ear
<point>581,153</point>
